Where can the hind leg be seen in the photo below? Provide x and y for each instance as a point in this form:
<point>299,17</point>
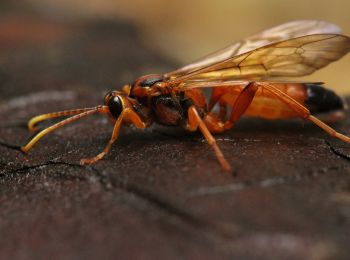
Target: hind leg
<point>302,111</point>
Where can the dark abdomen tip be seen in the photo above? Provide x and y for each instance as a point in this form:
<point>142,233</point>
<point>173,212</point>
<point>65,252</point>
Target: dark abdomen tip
<point>322,100</point>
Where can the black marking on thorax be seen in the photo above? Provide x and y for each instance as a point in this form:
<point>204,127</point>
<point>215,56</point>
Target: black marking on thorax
<point>171,110</point>
<point>150,81</point>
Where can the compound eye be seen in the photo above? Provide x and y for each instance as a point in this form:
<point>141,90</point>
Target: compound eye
<point>115,106</point>
<point>108,96</point>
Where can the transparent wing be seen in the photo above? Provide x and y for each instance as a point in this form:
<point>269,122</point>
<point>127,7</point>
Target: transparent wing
<point>279,33</point>
<point>234,83</point>
<point>295,57</point>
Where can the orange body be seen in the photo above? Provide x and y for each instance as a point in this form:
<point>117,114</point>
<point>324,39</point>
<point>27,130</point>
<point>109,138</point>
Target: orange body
<point>266,105</point>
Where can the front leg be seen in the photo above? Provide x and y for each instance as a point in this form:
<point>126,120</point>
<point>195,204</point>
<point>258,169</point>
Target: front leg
<point>127,115</point>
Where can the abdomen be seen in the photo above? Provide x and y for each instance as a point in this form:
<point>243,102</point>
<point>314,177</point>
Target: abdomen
<point>315,97</point>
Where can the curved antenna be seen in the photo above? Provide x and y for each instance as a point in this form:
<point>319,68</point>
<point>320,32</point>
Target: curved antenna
<point>37,119</point>
<point>86,112</point>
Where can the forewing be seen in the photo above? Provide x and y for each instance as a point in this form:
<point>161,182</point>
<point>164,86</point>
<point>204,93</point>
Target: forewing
<point>279,33</point>
<point>234,83</point>
<point>295,57</point>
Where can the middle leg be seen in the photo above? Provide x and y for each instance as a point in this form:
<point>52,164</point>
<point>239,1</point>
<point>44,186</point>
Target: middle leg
<point>194,122</point>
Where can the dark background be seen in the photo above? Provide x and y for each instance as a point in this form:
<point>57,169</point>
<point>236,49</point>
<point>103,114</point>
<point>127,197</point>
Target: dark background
<point>159,194</point>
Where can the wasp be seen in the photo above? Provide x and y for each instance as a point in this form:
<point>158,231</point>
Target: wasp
<point>245,79</point>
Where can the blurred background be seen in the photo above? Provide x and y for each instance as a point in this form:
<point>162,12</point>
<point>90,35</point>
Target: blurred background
<point>186,30</point>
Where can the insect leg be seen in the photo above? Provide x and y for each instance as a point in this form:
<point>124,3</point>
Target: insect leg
<point>195,122</point>
<point>114,137</point>
<point>217,122</point>
<point>222,110</point>
<point>216,95</point>
<point>303,111</point>
<point>135,119</point>
<point>37,119</point>
<point>29,145</point>
<point>126,114</point>
<point>242,102</point>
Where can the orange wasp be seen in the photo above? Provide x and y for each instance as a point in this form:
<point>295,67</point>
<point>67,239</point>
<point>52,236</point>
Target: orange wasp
<point>243,79</point>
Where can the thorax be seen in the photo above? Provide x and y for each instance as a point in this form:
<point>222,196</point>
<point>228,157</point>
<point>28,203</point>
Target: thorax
<point>171,109</point>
